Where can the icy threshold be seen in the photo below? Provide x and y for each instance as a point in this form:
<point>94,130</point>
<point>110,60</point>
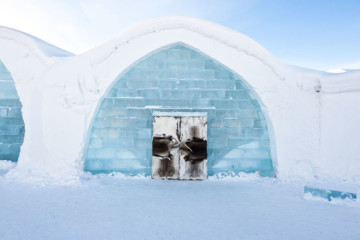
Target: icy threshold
<point>117,207</point>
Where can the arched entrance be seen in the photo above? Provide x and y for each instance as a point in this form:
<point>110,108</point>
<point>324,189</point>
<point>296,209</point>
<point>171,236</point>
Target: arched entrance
<point>178,78</point>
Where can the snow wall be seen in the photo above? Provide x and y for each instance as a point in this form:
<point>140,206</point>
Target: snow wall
<point>312,130</point>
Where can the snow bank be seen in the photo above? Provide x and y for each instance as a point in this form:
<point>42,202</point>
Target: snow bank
<point>6,165</point>
<point>305,109</point>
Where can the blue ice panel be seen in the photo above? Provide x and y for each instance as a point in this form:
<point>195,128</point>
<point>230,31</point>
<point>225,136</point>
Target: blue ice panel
<point>12,127</point>
<point>329,194</point>
<point>178,78</point>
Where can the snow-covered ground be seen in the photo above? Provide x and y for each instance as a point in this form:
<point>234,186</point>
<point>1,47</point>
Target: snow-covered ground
<point>112,207</point>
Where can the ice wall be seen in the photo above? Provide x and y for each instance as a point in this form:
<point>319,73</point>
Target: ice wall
<point>11,122</point>
<point>178,78</point>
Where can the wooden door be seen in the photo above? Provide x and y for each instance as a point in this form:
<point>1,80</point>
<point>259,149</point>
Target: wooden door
<point>179,148</point>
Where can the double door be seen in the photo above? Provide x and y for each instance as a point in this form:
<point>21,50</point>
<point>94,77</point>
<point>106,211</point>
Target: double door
<point>179,148</point>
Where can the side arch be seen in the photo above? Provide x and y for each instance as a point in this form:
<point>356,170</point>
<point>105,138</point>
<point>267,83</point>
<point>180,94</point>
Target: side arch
<point>178,78</point>
<point>12,128</point>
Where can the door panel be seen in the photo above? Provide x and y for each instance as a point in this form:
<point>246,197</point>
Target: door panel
<point>166,138</point>
<point>193,148</point>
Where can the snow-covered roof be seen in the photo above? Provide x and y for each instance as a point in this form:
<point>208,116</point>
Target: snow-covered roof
<point>348,81</point>
<point>33,43</point>
<point>209,29</point>
<point>331,82</point>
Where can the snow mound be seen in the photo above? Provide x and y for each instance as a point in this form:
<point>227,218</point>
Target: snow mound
<point>6,165</point>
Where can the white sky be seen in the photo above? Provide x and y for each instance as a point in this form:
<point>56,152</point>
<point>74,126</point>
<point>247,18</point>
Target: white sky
<point>320,34</point>
<point>80,25</point>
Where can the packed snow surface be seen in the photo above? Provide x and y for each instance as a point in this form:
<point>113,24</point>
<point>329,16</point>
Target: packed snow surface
<point>117,207</point>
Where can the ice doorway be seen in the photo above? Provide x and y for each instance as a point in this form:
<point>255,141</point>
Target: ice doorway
<point>179,78</point>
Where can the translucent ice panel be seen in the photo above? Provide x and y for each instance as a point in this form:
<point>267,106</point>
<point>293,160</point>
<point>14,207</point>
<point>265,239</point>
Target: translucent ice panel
<point>178,78</point>
<point>328,194</point>
<point>11,122</point>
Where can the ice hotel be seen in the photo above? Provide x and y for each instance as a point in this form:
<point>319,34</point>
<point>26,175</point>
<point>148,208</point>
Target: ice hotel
<point>176,98</point>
